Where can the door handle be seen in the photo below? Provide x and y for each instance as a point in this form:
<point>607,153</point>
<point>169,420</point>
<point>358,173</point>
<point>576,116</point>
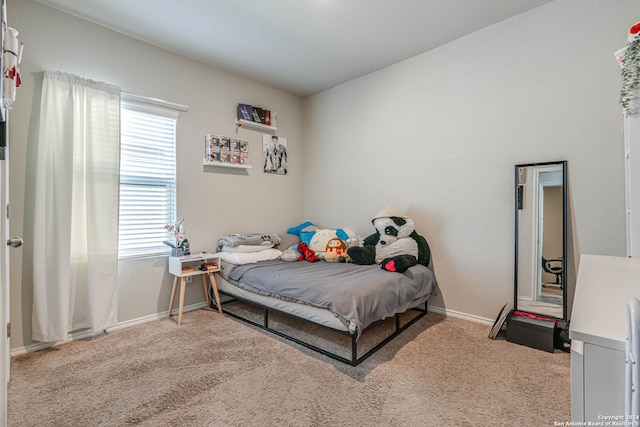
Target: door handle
<point>15,242</point>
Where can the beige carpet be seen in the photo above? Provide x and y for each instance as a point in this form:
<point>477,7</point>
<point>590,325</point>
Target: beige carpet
<point>216,371</point>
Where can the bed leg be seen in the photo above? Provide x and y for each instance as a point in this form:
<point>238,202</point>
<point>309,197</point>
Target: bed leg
<point>397,322</point>
<point>354,350</point>
<point>266,318</point>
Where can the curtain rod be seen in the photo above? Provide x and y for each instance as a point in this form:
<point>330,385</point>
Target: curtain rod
<point>154,101</point>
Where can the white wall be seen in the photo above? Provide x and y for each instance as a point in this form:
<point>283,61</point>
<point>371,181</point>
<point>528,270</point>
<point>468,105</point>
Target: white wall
<point>213,203</point>
<point>438,136</point>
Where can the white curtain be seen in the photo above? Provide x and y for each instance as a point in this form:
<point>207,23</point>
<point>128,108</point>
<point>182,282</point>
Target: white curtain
<point>76,207</point>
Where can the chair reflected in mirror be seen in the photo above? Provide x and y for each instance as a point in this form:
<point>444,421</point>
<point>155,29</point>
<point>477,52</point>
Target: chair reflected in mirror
<point>553,266</point>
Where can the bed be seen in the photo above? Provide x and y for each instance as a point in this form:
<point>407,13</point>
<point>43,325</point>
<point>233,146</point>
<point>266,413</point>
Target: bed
<point>345,298</point>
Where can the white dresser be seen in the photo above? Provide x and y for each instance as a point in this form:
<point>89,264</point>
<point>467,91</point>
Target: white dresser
<point>598,335</point>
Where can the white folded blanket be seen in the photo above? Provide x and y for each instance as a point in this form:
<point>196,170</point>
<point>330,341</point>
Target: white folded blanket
<point>241,258</point>
<point>247,248</point>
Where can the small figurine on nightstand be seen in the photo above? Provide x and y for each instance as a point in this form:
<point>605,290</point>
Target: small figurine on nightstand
<point>185,246</point>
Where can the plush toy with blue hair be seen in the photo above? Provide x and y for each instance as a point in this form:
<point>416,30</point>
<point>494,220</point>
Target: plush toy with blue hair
<point>304,231</point>
<point>318,239</point>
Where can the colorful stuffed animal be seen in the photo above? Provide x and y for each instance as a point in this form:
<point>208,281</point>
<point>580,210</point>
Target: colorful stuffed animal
<point>323,236</point>
<point>304,231</point>
<point>306,253</point>
<point>336,250</point>
<point>318,238</point>
<point>395,245</point>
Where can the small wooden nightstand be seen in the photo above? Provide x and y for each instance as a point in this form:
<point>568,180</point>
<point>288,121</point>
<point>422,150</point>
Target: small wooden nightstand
<point>189,265</point>
<point>210,270</point>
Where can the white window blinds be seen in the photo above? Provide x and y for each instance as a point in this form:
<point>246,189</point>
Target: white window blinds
<point>147,175</point>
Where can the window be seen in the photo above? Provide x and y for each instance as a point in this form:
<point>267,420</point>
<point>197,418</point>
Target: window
<point>147,175</point>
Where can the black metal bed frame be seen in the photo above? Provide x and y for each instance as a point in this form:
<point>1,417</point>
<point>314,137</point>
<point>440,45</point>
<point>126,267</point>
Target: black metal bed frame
<point>354,361</point>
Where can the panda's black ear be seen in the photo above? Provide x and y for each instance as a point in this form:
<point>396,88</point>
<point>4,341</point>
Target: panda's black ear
<point>398,221</point>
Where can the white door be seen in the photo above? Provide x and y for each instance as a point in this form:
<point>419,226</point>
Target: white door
<point>5,244</point>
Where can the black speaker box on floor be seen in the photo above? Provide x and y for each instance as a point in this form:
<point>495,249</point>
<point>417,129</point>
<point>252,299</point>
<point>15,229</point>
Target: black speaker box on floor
<point>534,333</point>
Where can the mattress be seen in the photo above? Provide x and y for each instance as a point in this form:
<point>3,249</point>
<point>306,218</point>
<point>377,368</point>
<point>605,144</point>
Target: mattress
<point>321,316</point>
<point>344,297</point>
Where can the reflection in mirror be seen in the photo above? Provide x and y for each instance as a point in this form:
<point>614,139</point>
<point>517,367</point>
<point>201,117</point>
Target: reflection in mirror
<point>540,241</point>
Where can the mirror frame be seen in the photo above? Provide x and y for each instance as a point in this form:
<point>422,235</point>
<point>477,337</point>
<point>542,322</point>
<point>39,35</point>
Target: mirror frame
<point>564,235</point>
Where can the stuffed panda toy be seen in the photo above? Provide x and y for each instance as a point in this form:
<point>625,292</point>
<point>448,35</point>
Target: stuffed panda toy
<point>395,245</point>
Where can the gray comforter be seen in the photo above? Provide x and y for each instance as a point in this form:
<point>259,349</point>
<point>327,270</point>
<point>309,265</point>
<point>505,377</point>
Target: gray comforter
<point>357,294</point>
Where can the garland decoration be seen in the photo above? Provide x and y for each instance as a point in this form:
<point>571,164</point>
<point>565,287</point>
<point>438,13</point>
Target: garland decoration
<point>630,92</point>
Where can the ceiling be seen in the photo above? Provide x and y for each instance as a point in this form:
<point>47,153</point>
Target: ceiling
<point>300,46</point>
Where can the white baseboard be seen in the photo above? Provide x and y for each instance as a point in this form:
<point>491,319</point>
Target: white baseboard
<point>80,335</point>
<point>460,315</point>
<point>152,317</point>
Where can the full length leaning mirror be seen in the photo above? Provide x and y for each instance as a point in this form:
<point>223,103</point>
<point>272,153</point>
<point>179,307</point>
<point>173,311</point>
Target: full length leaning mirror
<point>541,239</point>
